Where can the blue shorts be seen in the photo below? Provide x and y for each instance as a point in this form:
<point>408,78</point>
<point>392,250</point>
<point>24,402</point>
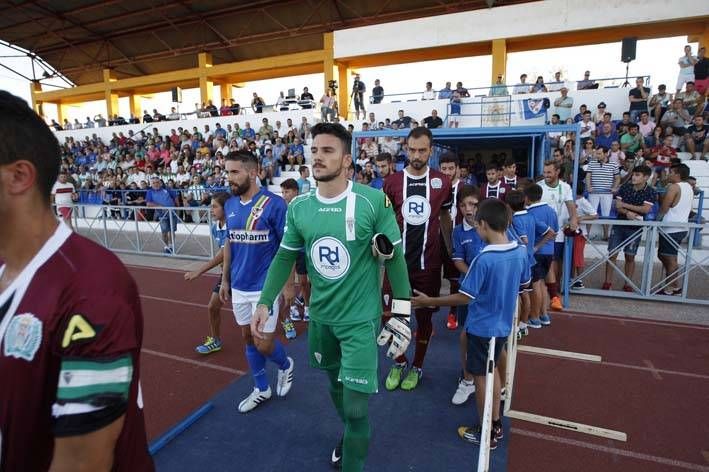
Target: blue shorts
<point>665,247</point>
<point>622,233</point>
<point>477,353</point>
<point>541,268</point>
<point>165,221</point>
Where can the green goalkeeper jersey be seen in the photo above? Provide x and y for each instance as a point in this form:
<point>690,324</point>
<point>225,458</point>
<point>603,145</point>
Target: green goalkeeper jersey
<point>335,235</point>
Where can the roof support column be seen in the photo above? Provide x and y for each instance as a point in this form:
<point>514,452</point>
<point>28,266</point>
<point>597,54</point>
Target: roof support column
<point>225,90</point>
<point>205,85</point>
<point>62,112</point>
<point>135,103</point>
<point>330,70</point>
<point>499,60</point>
<point>110,97</point>
<point>343,91</point>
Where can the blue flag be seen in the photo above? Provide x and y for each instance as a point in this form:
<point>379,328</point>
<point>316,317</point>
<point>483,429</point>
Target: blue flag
<point>533,108</point>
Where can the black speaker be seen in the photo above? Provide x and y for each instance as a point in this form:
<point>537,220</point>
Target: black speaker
<point>627,53</point>
<point>177,93</point>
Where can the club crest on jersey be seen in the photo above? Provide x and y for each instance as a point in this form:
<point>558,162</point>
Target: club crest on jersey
<point>416,210</point>
<point>256,212</point>
<point>23,337</point>
<point>436,183</point>
<point>330,258</point>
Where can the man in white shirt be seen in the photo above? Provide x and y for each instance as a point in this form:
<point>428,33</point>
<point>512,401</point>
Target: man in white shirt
<point>429,93</point>
<point>181,176</point>
<point>560,198</point>
<point>588,127</point>
<point>135,175</point>
<point>63,196</point>
<point>522,86</point>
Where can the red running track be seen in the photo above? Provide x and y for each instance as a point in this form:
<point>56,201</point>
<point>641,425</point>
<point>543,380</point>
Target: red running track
<point>653,383</point>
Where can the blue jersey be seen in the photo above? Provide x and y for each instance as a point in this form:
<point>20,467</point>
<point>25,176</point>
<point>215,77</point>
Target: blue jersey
<point>466,243</point>
<point>527,226</point>
<point>377,183</point>
<point>546,215</point>
<point>219,235</point>
<point>495,278</point>
<point>255,230</point>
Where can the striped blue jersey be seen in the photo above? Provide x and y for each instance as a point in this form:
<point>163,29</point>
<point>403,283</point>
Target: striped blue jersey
<point>255,232</point>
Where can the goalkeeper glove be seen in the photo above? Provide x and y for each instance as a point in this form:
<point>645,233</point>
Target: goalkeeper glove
<point>397,329</point>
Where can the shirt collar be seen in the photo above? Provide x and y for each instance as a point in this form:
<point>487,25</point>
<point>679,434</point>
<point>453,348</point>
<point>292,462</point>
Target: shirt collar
<point>521,212</point>
<point>466,226</point>
<point>533,205</point>
<point>500,247</point>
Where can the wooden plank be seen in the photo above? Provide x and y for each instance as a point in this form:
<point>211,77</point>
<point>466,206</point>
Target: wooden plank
<point>568,425</point>
<point>557,353</point>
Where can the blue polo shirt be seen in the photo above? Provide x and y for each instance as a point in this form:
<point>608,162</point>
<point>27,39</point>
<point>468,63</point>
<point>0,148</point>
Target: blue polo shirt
<point>467,244</point>
<point>219,235</point>
<point>527,226</point>
<point>377,183</point>
<point>162,197</point>
<point>495,278</point>
<point>255,230</point>
<point>546,216</point>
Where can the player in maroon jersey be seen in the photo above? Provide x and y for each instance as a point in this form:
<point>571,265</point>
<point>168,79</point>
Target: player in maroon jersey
<point>70,324</point>
<point>449,164</point>
<point>422,199</point>
<point>494,187</point>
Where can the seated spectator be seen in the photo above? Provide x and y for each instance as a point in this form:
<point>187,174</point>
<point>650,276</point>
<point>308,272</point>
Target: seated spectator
<point>606,136</point>
<point>587,152</point>
<point>307,99</point>
<point>267,164</point>
<point>563,105</point>
<point>522,86</point>
<point>158,116</point>
<point>67,124</point>
<point>615,154</point>
<point>304,128</point>
<point>266,130</point>
<point>445,92</point>
<point>429,93</point>
<point>586,83</point>
<point>147,117</point>
<point>234,107</point>
<point>631,141</point>
<point>579,116</point>
<point>248,133</point>
<point>462,91</point>
<point>403,122</point>
<point>56,126</point>
<point>597,116</point>
<point>697,139</point>
<point>499,89</point>
<point>89,123</point>
<point>677,137</point>
<point>623,125</point>
<point>638,96</point>
<point>556,83</point>
<point>76,124</point>
<point>588,127</point>
<point>212,109</point>
<point>554,137</point>
<point>225,109</point>
<point>433,121</point>
<point>539,86</point>
<point>662,155</point>
<point>257,103</point>
<point>690,98</point>
<point>100,121</point>
<point>659,103</point>
<point>174,115</point>
<point>677,117</point>
<point>377,92</point>
<point>645,126</point>
<point>390,146</point>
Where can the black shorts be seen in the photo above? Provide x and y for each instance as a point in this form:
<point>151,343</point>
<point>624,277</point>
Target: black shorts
<point>449,270</point>
<point>477,353</point>
<point>426,281</point>
<point>217,286</point>
<point>300,267</point>
<point>665,247</point>
<point>541,268</point>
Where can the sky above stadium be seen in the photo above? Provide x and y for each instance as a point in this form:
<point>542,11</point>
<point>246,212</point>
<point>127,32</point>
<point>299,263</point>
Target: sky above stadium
<point>656,57</point>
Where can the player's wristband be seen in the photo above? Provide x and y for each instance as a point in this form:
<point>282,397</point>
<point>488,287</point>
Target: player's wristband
<point>401,308</point>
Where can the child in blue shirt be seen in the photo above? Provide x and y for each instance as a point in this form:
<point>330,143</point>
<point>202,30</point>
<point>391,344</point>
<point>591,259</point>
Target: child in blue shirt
<point>213,342</point>
<point>543,254</point>
<point>490,289</point>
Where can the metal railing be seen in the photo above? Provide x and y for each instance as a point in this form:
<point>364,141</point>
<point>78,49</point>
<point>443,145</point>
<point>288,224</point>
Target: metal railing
<point>693,272</point>
<point>146,230</point>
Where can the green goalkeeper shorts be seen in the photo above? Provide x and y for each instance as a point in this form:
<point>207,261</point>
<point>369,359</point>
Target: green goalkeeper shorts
<point>351,349</point>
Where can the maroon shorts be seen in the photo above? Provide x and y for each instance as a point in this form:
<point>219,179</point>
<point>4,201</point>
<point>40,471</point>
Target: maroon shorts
<point>449,270</point>
<point>428,282</point>
<point>64,212</point>
<point>579,246</point>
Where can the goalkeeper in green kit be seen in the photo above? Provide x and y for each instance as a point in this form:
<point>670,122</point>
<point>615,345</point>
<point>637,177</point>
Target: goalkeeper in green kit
<point>346,230</point>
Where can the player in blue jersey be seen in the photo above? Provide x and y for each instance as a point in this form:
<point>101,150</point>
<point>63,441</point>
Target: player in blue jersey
<point>213,342</point>
<point>490,289</point>
<point>255,220</point>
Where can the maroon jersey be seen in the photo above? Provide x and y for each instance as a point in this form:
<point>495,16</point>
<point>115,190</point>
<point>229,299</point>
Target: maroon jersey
<point>456,215</point>
<point>71,328</point>
<point>418,202</point>
<point>510,182</point>
<point>499,191</point>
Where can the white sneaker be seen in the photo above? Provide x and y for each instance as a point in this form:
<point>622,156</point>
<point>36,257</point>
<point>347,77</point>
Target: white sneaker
<point>306,314</point>
<point>285,380</point>
<point>254,399</point>
<point>294,313</point>
<point>463,392</point>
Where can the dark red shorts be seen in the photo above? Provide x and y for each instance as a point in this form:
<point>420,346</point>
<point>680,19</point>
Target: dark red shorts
<point>449,270</point>
<point>428,282</point>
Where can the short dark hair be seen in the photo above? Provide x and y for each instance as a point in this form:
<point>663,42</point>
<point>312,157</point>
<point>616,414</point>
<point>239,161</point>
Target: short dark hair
<point>302,169</point>
<point>420,131</point>
<point>246,158</point>
<point>334,129</point>
<point>468,191</point>
<point>682,170</point>
<point>449,157</point>
<point>642,169</point>
<point>495,213</point>
<point>383,156</point>
<point>27,138</point>
<point>553,163</point>
<point>221,198</point>
<point>289,184</point>
<point>491,166</point>
<point>515,199</point>
<point>509,162</point>
<point>533,193</point>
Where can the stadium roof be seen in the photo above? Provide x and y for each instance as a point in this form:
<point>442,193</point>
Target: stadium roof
<point>138,37</point>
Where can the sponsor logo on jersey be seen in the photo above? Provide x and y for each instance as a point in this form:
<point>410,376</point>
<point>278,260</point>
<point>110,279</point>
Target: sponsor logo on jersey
<point>356,380</point>
<point>330,210</point>
<point>330,258</point>
<point>436,183</point>
<point>23,337</point>
<point>248,236</point>
<point>416,210</point>
<point>256,212</point>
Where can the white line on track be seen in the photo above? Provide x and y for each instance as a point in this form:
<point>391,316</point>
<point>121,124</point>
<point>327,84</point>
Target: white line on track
<point>166,269</point>
<point>192,361</point>
<point>613,450</point>
<point>625,319</point>
<point>180,302</point>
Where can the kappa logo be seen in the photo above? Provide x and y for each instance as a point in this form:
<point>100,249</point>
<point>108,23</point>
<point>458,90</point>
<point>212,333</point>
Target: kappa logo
<point>23,337</point>
<point>416,210</point>
<point>330,258</point>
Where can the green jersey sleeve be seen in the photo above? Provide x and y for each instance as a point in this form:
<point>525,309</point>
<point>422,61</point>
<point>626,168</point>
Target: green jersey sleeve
<point>396,268</point>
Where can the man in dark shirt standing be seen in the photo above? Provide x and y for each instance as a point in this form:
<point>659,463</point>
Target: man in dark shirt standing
<point>358,89</point>
<point>433,121</point>
<point>701,73</point>
<point>306,97</point>
<point>638,99</point>
<point>377,92</point>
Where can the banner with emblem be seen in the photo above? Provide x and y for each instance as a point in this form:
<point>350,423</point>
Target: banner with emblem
<point>496,111</point>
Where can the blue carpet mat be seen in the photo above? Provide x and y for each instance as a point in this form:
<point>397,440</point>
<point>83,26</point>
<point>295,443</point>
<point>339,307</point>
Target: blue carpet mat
<point>411,431</point>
